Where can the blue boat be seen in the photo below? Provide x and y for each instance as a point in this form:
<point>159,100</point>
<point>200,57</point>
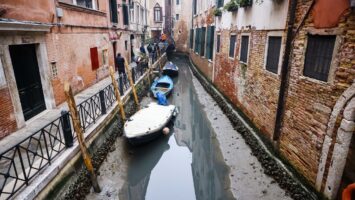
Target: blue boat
<point>170,69</point>
<point>163,85</point>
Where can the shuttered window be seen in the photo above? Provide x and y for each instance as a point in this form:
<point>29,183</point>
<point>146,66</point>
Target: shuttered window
<point>273,54</point>
<point>319,56</point>
<point>113,9</point>
<point>219,3</point>
<point>218,43</point>
<point>232,45</point>
<point>244,49</point>
<point>125,14</point>
<point>203,40</point>
<point>191,38</point>
<point>209,43</point>
<point>197,39</point>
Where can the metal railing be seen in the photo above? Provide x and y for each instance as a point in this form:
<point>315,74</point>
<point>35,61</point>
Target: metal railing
<point>19,164</point>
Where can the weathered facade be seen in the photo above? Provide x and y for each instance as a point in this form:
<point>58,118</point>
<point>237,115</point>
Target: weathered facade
<point>182,24</point>
<point>45,43</point>
<point>242,52</point>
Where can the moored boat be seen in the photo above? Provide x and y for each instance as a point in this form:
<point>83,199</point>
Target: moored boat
<point>163,85</point>
<point>170,69</point>
<point>147,123</point>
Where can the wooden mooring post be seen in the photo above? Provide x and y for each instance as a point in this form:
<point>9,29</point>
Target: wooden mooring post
<point>131,83</point>
<point>117,94</point>
<point>79,132</point>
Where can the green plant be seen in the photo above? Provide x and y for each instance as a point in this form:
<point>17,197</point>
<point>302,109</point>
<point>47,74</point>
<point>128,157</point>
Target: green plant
<point>217,12</point>
<point>231,6</point>
<point>243,69</point>
<point>245,3</point>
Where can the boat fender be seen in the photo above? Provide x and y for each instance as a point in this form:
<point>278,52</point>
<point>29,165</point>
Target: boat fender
<point>166,131</point>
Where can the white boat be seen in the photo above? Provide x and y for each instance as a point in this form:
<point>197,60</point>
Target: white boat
<point>147,123</point>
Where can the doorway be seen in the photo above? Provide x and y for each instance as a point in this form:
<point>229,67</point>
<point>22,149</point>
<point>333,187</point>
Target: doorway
<point>28,80</point>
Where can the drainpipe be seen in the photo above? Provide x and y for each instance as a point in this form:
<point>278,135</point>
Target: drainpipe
<point>285,71</point>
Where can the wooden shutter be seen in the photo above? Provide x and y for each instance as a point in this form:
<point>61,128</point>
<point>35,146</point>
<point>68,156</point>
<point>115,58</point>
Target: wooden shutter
<point>196,39</point>
<point>232,45</point>
<point>319,56</point>
<point>94,54</point>
<point>218,43</point>
<point>203,40</point>
<point>113,7</point>
<point>244,49</point>
<point>273,54</point>
<point>191,38</point>
<point>125,14</point>
<point>209,44</point>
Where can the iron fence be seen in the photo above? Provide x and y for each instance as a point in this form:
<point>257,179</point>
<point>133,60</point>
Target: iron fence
<point>20,163</point>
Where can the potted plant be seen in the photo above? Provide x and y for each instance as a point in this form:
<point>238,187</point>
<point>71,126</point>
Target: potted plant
<point>245,3</point>
<point>231,6</point>
<point>217,12</point>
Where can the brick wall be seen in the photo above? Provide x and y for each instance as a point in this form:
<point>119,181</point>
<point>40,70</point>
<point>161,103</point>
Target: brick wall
<point>310,102</point>
<point>72,53</point>
<point>7,119</point>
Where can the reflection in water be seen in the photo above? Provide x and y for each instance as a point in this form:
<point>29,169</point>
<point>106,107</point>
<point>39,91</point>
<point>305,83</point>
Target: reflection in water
<point>165,170</point>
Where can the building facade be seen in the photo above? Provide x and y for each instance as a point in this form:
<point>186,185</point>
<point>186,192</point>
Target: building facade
<point>299,80</point>
<point>45,43</point>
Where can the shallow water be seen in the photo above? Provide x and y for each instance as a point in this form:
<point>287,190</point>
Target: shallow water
<point>184,165</point>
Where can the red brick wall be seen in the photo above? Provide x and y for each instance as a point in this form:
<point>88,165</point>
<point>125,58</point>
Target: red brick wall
<point>310,102</point>
<point>253,89</point>
<point>7,119</point>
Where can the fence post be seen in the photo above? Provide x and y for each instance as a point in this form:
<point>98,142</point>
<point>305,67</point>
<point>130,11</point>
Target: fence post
<point>67,132</point>
<point>120,79</point>
<point>132,84</point>
<point>102,100</point>
<point>79,131</point>
<point>117,94</point>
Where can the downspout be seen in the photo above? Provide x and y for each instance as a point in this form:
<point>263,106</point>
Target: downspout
<point>285,69</point>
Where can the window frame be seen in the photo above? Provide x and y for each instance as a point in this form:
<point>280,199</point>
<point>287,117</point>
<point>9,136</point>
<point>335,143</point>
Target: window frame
<point>240,48</point>
<point>333,62</point>
<point>218,43</point>
<point>282,48</point>
<point>235,45</point>
<point>93,2</point>
<point>157,9</point>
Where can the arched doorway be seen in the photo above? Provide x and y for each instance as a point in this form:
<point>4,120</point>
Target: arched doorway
<point>337,157</point>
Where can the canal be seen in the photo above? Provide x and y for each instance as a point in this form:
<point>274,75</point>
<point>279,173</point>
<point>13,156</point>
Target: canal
<point>203,157</point>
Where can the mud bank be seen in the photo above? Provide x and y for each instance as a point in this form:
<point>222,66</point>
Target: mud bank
<point>77,184</point>
<point>295,188</point>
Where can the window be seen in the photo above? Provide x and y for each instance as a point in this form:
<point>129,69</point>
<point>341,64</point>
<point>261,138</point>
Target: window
<point>125,14</point>
<point>86,3</point>
<point>191,38</point>
<point>195,6</point>
<point>113,11</point>
<point>273,54</point>
<point>177,16</point>
<point>202,41</point>
<point>157,13</point>
<point>126,45</point>
<point>209,44</point>
<point>104,57</point>
<point>319,56</point>
<point>232,45</point>
<point>244,49</point>
<point>177,2</point>
<point>218,43</point>
<point>197,36</point>
<point>219,3</point>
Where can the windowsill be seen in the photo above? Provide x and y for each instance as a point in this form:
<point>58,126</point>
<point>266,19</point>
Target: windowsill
<point>314,80</point>
<point>210,61</point>
<point>81,9</point>
<point>158,21</point>
<point>270,73</point>
<point>245,63</point>
<point>230,58</point>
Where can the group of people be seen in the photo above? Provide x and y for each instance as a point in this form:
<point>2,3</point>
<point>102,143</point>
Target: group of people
<point>153,51</point>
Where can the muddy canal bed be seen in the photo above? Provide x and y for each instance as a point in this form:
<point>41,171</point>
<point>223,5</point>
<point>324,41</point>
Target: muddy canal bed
<point>202,158</point>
